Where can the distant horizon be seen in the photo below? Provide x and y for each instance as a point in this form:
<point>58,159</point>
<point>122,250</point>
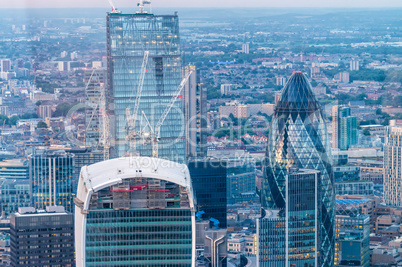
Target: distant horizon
<point>25,4</point>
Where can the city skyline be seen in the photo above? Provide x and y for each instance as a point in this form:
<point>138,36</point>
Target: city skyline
<point>206,4</point>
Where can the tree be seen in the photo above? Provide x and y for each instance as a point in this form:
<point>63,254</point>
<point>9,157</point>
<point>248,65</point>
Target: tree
<point>366,132</point>
<point>41,125</point>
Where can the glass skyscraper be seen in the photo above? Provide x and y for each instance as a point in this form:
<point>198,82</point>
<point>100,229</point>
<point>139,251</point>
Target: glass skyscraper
<point>129,36</point>
<point>51,177</point>
<point>298,138</point>
<point>135,211</point>
<point>209,181</point>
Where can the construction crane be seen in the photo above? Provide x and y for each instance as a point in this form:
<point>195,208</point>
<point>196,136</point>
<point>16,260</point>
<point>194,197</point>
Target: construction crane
<point>154,134</point>
<point>141,5</point>
<point>131,119</point>
<point>114,10</point>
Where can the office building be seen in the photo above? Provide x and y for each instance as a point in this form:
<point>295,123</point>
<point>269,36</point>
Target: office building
<point>302,142</point>
<point>14,194</point>
<point>393,165</point>
<point>129,36</point>
<point>352,243</point>
<point>344,128</point>
<point>354,188</point>
<point>42,238</point>
<point>241,174</point>
<point>84,157</point>
<point>281,230</point>
<point>135,211</point>
<point>14,169</point>
<point>354,64</point>
<point>195,114</point>
<point>51,176</point>
<point>95,106</point>
<point>209,183</point>
<point>346,173</point>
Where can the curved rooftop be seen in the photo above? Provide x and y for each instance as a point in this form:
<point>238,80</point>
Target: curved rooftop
<point>297,95</point>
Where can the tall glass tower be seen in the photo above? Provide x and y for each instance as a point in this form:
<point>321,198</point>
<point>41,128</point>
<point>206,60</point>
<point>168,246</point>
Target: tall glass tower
<point>298,139</point>
<point>129,36</point>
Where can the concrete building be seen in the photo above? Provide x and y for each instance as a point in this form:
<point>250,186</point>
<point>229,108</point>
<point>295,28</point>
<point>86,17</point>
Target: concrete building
<point>135,209</point>
<point>45,111</point>
<point>42,238</point>
<point>393,165</point>
<point>226,89</point>
<point>195,115</point>
<point>342,77</point>
<point>354,65</point>
<point>245,49</point>
<point>238,111</point>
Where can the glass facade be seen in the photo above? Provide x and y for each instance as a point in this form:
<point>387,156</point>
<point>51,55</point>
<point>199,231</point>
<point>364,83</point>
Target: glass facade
<point>290,236</point>
<point>14,194</point>
<point>128,37</point>
<point>51,176</point>
<point>352,246</point>
<point>209,183</point>
<point>298,138</point>
<point>140,222</point>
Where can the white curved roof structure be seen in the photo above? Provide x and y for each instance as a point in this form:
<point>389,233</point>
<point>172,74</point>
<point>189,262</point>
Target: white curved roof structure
<point>111,172</point>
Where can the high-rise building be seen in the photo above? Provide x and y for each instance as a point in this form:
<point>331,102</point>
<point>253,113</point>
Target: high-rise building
<point>245,48</point>
<point>5,65</point>
<point>195,115</point>
<point>84,157</point>
<point>352,234</point>
<point>40,238</point>
<point>354,64</point>
<point>281,230</point>
<point>14,194</point>
<point>135,211</point>
<point>209,182</point>
<point>129,36</point>
<point>51,176</point>
<point>95,82</point>
<point>241,174</point>
<point>298,138</point>
<point>393,164</point>
<point>226,89</point>
<point>344,128</point>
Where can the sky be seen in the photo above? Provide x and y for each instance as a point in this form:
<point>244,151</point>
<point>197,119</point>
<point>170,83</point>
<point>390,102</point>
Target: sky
<point>202,3</point>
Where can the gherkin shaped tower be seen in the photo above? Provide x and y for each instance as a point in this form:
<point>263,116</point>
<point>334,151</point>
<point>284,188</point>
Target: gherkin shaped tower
<point>298,139</point>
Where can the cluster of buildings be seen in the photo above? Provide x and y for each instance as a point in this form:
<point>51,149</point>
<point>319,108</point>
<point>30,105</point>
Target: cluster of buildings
<point>129,178</point>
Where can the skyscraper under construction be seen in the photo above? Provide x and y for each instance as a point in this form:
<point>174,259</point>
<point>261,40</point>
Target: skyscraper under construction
<point>144,72</point>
